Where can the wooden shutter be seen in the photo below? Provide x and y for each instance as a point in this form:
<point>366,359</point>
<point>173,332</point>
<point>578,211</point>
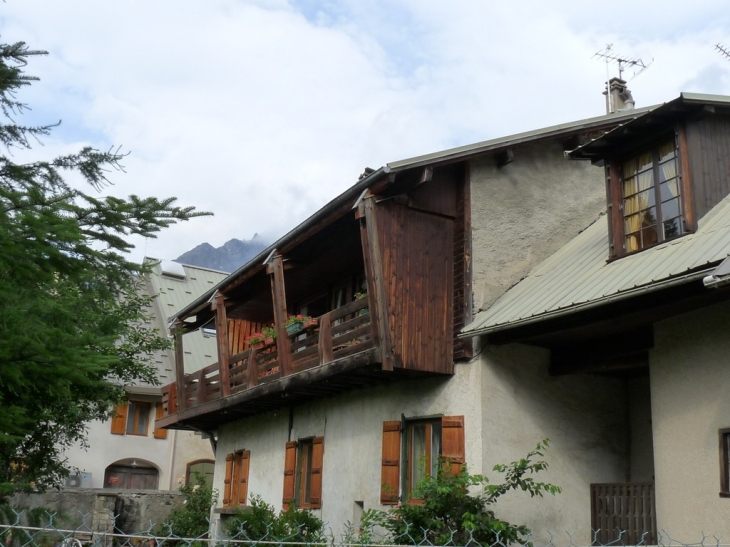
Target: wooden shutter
<point>315,486</point>
<point>228,480</point>
<point>159,413</point>
<point>243,461</point>
<point>290,463</point>
<point>119,421</point>
<point>452,442</point>
<point>390,464</point>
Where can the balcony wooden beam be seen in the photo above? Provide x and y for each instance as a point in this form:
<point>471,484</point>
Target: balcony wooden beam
<point>275,267</point>
<point>325,339</point>
<point>179,365</point>
<point>221,334</point>
<point>376,283</point>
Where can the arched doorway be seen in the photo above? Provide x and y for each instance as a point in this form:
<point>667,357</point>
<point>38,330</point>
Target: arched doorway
<point>131,474</point>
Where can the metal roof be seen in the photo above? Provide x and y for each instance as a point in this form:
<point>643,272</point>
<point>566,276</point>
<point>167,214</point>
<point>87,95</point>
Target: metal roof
<point>578,276</point>
<point>173,294</point>
<point>519,138</point>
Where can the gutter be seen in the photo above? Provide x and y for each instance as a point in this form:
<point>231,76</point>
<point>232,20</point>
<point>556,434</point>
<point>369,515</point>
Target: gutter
<point>351,193</point>
<point>589,305</point>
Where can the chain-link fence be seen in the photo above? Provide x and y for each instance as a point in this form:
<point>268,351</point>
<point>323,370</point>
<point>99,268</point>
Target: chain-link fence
<point>48,531</point>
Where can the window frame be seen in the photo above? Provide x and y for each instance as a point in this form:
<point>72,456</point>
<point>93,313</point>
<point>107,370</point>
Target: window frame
<point>724,438</point>
<point>134,415</point>
<point>303,464</point>
<point>615,194</point>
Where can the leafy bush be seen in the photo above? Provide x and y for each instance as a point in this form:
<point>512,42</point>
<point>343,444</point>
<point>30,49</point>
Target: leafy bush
<point>445,510</point>
<point>191,519</point>
<point>259,522</point>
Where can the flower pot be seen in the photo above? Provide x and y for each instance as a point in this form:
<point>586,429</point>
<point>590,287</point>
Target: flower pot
<point>294,328</point>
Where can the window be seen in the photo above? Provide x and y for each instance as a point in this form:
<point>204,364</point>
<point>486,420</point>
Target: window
<point>725,463</point>
<point>303,473</point>
<point>419,443</point>
<point>204,467</point>
<point>133,419</point>
<point>647,199</point>
<point>235,482</point>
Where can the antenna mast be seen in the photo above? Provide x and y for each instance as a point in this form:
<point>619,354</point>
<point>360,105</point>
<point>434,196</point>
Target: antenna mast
<point>623,63</point>
<point>723,50</point>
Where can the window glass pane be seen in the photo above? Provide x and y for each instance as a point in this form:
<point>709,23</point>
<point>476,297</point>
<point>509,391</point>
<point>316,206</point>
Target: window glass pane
<point>307,471</point>
<point>645,180</point>
<point>670,208</point>
<point>649,237</point>
<point>632,242</point>
<point>144,413</point>
<point>632,223</point>
<point>418,453</point>
<point>672,228</point>
<point>631,186</point>
<point>666,151</point>
<point>648,217</point>
<point>131,415</point>
<point>669,190</point>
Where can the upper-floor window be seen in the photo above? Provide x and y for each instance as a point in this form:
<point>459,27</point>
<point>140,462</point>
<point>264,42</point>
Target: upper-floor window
<point>651,200</point>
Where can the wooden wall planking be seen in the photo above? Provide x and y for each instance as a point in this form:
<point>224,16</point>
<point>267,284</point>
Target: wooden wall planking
<point>238,332</point>
<point>417,256</point>
<point>708,142</point>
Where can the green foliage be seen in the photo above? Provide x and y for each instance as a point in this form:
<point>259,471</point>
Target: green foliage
<point>71,313</point>
<point>448,510</point>
<point>190,520</point>
<point>259,522</point>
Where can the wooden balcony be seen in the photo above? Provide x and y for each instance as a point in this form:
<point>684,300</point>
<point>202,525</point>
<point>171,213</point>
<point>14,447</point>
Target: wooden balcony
<point>337,354</point>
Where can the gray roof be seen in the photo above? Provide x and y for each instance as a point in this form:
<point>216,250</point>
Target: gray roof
<point>174,292</point>
<point>578,276</point>
<point>519,138</point>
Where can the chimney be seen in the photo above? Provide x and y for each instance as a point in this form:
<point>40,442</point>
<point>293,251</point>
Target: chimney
<point>619,97</point>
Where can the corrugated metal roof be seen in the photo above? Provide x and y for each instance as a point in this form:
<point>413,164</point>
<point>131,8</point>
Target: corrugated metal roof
<point>174,293</point>
<point>578,275</point>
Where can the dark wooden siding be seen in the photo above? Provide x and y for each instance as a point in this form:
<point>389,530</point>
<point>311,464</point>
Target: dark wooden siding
<point>708,143</point>
<point>462,269</point>
<point>417,257</point>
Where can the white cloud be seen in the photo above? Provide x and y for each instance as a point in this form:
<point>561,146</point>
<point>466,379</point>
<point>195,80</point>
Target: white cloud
<point>262,111</point>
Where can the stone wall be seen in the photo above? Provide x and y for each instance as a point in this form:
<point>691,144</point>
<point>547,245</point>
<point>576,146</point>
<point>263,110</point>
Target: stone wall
<point>102,510</point>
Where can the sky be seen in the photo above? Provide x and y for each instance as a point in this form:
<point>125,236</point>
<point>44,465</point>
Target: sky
<point>262,111</point>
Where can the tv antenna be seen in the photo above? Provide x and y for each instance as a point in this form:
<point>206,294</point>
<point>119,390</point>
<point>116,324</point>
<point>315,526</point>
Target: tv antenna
<point>623,63</point>
<point>723,50</point>
<point>624,99</point>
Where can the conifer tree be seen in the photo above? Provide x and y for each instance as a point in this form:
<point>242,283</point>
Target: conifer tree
<point>72,328</point>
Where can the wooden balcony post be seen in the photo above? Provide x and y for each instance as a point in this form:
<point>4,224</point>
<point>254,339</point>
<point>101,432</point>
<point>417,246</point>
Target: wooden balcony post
<point>252,368</point>
<point>377,296</point>
<point>278,293</point>
<point>221,335</point>
<point>325,339</point>
<point>179,365</point>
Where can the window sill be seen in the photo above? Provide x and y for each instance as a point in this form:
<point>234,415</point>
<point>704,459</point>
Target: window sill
<point>725,494</point>
<point>229,510</point>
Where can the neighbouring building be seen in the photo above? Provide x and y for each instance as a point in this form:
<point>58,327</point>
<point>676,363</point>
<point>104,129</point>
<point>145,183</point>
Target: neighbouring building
<point>349,412</point>
<point>639,302</point>
<point>131,451</point>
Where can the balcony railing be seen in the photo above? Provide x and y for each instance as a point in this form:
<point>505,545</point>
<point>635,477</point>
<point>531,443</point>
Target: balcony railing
<point>339,333</point>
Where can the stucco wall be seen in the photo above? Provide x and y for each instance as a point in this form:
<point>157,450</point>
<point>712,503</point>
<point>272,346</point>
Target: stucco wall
<point>525,211</point>
<point>105,449</point>
<point>690,375</point>
<point>584,416</point>
<point>352,426</point>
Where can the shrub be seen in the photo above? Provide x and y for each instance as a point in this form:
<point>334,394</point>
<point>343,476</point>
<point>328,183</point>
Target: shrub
<point>448,512</point>
<point>191,519</point>
<point>259,522</point>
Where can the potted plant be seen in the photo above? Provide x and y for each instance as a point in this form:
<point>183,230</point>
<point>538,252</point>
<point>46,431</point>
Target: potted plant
<point>269,334</point>
<point>295,323</point>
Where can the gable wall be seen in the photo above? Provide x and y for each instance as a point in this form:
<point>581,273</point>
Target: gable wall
<point>525,211</point>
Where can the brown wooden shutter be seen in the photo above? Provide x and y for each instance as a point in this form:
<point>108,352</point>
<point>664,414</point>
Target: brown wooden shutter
<point>228,480</point>
<point>159,413</point>
<point>315,486</point>
<point>243,462</point>
<point>290,463</point>
<point>452,442</point>
<point>390,465</point>
<point>119,421</point>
